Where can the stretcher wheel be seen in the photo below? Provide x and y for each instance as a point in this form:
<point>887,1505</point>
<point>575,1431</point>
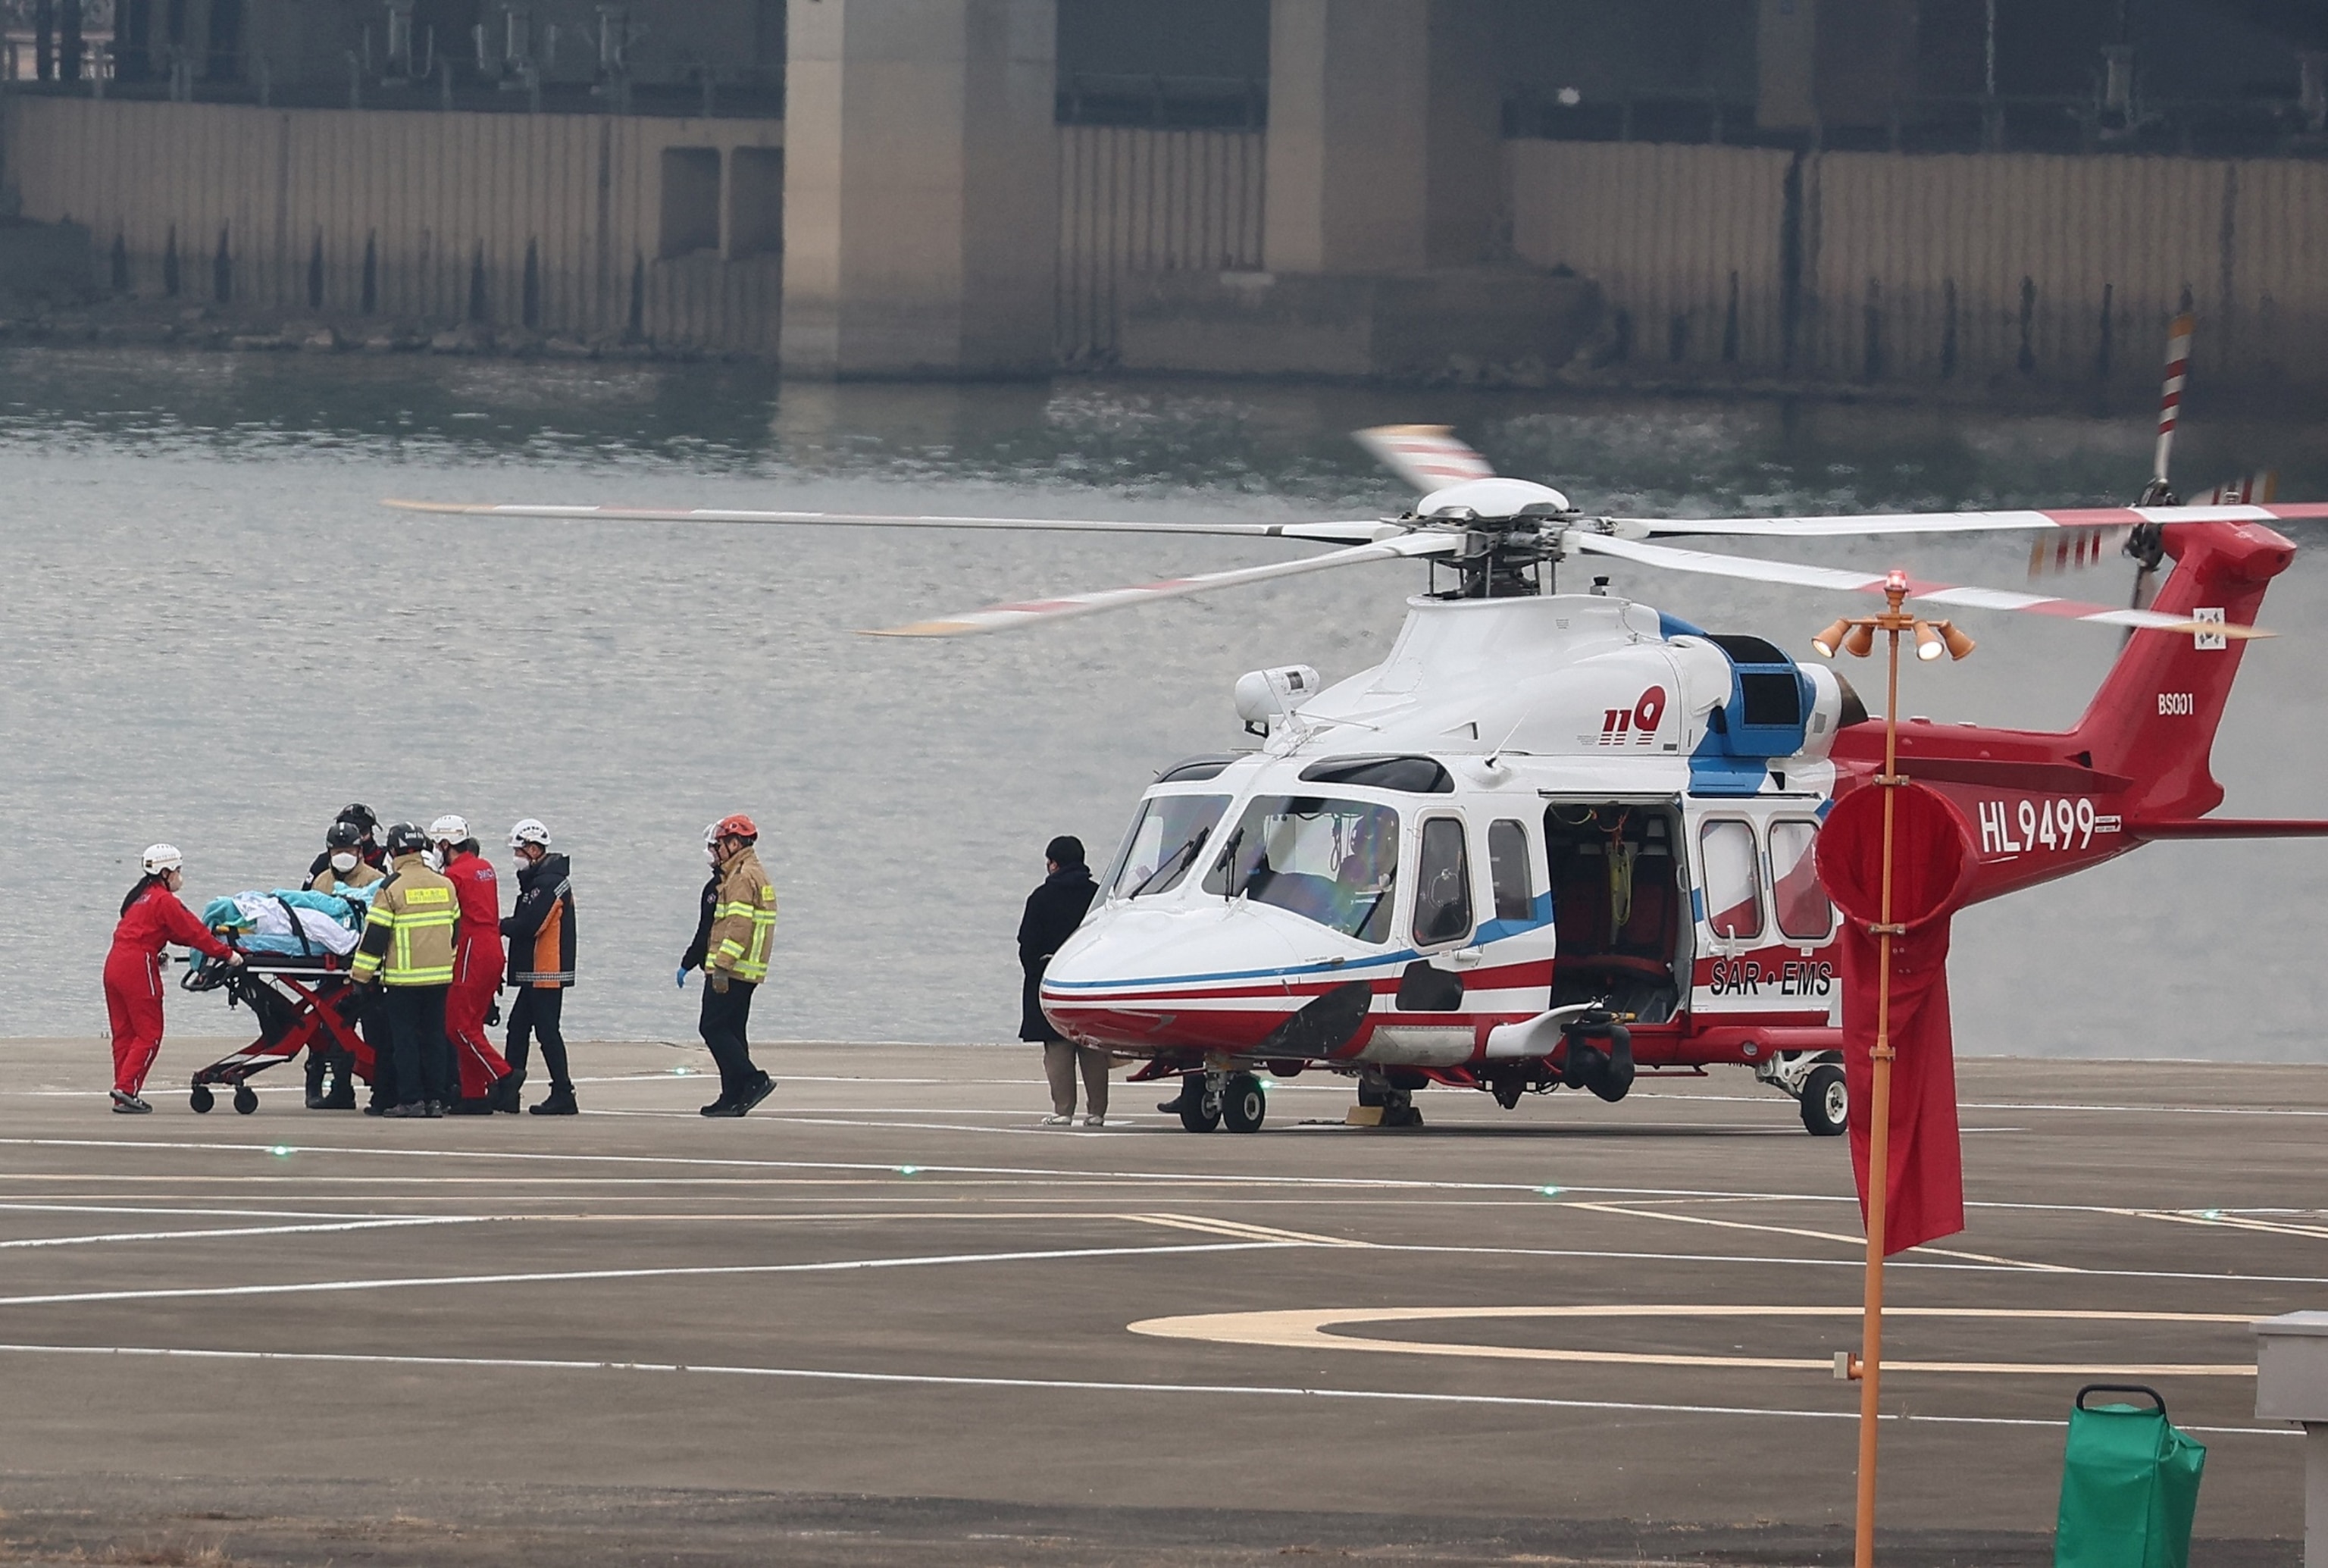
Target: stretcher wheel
<point>202,1099</point>
<point>245,1100</point>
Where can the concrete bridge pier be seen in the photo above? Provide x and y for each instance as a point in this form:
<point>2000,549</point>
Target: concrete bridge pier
<point>921,192</point>
<point>1385,135</point>
<point>1385,246</point>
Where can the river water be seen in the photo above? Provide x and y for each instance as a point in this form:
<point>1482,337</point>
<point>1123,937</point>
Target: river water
<point>215,635</point>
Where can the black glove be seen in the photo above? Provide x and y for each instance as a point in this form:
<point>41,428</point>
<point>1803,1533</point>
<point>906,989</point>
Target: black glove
<point>493,1011</point>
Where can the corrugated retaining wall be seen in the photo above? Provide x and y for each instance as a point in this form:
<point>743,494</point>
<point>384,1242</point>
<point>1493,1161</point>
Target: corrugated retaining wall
<point>597,226</point>
<point>1871,267</point>
<point>1134,198</point>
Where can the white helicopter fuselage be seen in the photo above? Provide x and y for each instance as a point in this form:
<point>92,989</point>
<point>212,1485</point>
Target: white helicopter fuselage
<point>1426,870</point>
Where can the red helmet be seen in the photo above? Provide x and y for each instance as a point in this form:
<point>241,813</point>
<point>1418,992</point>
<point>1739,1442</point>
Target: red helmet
<point>737,826</point>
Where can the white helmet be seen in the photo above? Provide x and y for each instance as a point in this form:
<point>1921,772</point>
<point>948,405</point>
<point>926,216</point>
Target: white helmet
<point>448,829</point>
<point>161,857</point>
<point>529,832</point>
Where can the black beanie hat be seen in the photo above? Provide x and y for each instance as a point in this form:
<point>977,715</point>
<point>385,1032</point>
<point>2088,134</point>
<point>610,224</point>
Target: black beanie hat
<point>1066,849</point>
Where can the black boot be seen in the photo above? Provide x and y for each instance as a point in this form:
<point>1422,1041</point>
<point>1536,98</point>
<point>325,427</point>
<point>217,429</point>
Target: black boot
<point>560,1102</point>
<point>504,1094</point>
<point>318,1068</point>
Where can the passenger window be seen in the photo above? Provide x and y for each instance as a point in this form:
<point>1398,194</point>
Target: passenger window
<point>1442,887</point>
<point>1804,914</point>
<point>1507,870</point>
<point>1731,879</point>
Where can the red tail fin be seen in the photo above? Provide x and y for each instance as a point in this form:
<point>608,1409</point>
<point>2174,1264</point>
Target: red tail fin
<point>2154,719</point>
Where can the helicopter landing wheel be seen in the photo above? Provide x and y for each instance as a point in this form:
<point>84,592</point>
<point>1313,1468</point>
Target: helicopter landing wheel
<point>1199,1103</point>
<point>1398,1109</point>
<point>1827,1104</point>
<point>1242,1104</point>
<point>202,1099</point>
<point>245,1099</point>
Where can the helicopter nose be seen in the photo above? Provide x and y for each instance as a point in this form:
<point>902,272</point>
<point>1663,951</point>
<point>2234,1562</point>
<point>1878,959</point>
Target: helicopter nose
<point>1209,978</point>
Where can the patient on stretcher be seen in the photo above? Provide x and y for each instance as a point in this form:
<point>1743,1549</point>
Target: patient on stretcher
<point>291,921</point>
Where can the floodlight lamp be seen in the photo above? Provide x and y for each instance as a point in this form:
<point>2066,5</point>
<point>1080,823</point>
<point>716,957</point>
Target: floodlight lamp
<point>1861,640</point>
<point>1929,646</point>
<point>1831,640</point>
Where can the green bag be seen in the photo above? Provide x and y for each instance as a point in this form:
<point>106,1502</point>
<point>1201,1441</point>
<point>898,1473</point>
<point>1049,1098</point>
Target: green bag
<point>2129,1486</point>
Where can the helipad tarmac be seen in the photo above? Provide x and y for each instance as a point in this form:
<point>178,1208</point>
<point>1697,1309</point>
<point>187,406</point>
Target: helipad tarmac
<point>888,1318</point>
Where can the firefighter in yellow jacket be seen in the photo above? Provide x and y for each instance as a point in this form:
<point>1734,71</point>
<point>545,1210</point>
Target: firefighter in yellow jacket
<point>734,962</point>
<point>407,948</point>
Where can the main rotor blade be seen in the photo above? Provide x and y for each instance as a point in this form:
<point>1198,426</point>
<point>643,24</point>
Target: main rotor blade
<point>1347,532</point>
<point>1954,596</point>
<point>1427,456</point>
<point>1009,617</point>
<point>1884,522</point>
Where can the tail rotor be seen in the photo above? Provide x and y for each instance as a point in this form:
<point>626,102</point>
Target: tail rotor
<point>2145,543</point>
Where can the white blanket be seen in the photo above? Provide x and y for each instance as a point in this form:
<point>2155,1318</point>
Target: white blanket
<point>269,918</point>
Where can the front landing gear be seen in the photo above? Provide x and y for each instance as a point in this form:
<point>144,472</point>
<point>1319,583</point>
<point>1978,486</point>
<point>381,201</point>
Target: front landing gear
<point>1211,1100</point>
<point>1199,1103</point>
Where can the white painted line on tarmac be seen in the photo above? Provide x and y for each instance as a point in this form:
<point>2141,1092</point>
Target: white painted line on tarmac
<point>1308,1330</point>
<point>2031,1105</point>
<point>1230,1227</point>
<point>264,1230</point>
<point>1072,1385</point>
<point>297,1214</point>
<point>1844,1239</point>
<point>1210,1179</point>
<point>845,1265</point>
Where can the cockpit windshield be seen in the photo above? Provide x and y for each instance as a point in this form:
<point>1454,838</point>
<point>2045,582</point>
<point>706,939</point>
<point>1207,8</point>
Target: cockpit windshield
<point>1334,861</point>
<point>1167,837</point>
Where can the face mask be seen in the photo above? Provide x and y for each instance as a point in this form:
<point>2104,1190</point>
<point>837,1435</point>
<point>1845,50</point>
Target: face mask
<point>343,861</point>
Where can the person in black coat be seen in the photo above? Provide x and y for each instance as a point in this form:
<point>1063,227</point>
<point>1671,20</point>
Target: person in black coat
<point>541,935</point>
<point>1054,910</point>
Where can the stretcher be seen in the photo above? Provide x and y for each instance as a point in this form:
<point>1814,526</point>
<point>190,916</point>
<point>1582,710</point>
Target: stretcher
<point>300,1001</point>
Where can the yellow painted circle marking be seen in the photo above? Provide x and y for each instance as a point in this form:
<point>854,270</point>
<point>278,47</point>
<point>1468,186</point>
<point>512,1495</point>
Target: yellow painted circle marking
<point>1307,1329</point>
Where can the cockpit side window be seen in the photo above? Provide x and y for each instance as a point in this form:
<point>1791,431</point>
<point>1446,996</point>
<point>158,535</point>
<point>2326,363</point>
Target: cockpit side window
<point>1333,861</point>
<point>1442,883</point>
<point>1167,839</point>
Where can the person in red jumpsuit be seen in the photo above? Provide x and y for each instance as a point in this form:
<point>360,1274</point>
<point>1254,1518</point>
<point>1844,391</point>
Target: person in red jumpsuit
<point>151,918</point>
<point>476,966</point>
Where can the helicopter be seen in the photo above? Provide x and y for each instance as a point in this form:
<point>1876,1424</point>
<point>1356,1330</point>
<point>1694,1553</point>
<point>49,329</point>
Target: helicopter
<point>1565,840</point>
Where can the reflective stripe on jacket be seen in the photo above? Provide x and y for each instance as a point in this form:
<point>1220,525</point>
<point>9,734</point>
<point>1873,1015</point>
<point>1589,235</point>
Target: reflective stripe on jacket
<point>742,919</point>
<point>407,937</point>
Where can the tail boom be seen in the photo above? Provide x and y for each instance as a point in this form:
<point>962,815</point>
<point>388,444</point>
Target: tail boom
<point>2039,806</point>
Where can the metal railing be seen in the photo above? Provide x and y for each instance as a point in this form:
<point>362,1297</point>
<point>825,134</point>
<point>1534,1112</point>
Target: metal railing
<point>429,81</point>
<point>1175,102</point>
<point>2261,126</point>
